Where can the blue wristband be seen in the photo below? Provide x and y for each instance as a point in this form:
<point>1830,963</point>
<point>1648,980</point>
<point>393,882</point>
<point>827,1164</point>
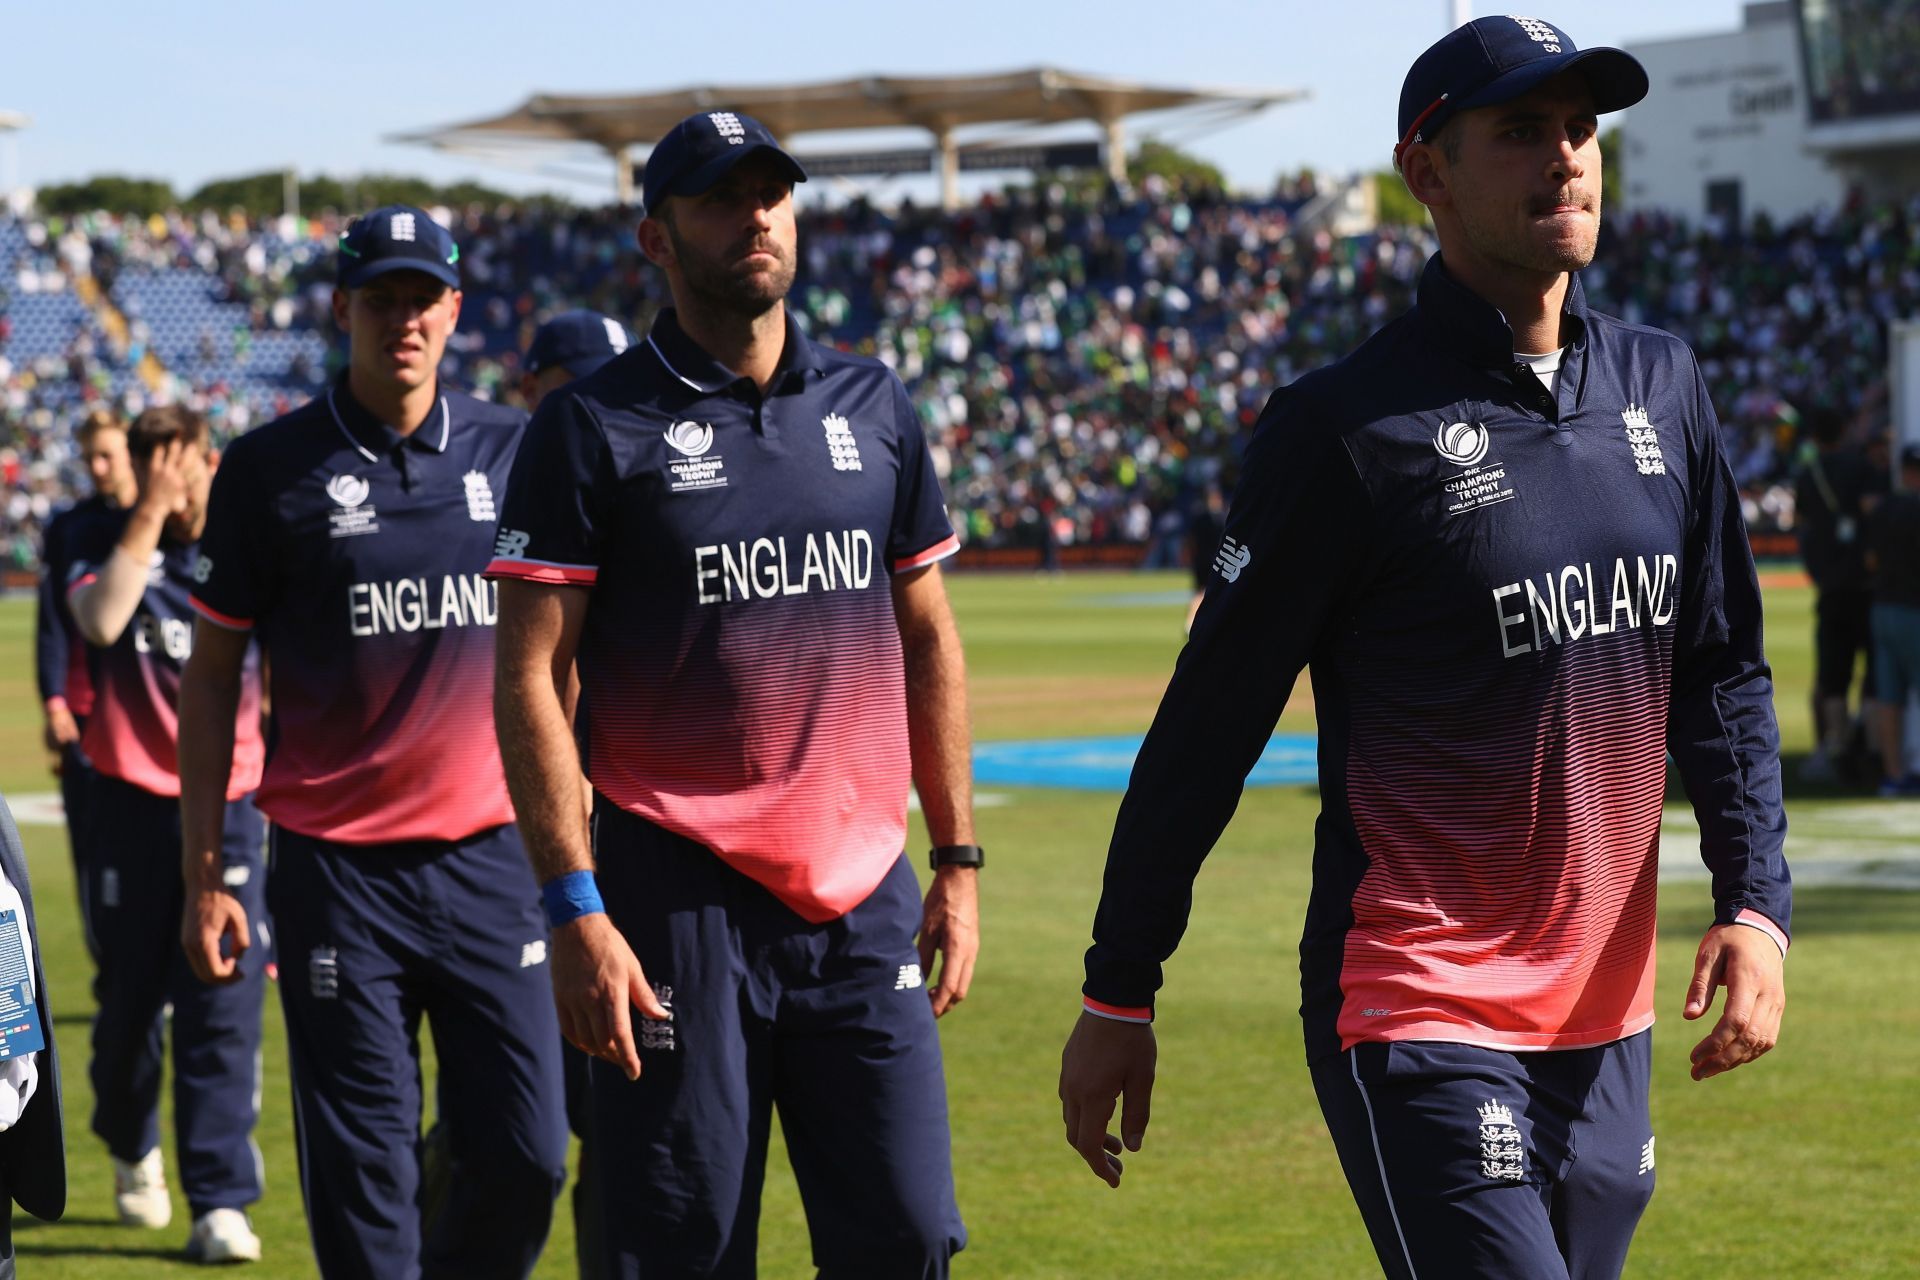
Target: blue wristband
<point>569,897</point>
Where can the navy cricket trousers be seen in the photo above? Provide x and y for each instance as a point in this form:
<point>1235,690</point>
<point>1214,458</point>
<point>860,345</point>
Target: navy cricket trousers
<point>1480,1163</point>
<point>77,778</point>
<point>369,939</point>
<point>133,908</point>
<point>829,1023</point>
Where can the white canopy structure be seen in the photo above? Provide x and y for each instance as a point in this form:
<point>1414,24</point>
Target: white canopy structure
<point>616,123</point>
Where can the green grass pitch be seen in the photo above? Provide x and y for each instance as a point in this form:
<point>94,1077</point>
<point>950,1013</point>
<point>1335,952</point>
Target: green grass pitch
<point>1801,1165</point>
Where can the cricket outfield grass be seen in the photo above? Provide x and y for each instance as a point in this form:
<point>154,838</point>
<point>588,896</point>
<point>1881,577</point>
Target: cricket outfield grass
<point>1803,1165</point>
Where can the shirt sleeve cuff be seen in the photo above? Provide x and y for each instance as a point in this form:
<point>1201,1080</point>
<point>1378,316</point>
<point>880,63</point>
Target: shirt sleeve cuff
<point>1115,1012</point>
<point>921,559</point>
<point>218,618</point>
<point>1754,920</point>
<point>544,571</point>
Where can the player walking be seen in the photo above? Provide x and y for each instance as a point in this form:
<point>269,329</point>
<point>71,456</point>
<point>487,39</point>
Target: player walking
<point>350,536</point>
<point>84,532</point>
<point>737,531</point>
<point>1502,534</point>
<point>132,603</point>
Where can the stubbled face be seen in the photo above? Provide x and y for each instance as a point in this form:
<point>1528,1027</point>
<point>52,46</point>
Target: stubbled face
<point>735,244</point>
<point>105,457</point>
<point>1525,186</point>
<point>397,327</point>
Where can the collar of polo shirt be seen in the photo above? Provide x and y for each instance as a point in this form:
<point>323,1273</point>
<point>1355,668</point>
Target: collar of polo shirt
<point>374,438</point>
<point>688,361</point>
<point>1461,321</point>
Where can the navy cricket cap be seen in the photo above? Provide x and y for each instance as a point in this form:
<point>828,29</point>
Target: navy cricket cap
<point>397,237</point>
<point>577,341</point>
<point>700,150</point>
<point>1494,60</point>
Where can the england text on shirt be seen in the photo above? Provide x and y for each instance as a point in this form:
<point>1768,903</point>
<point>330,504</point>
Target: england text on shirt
<point>740,666</point>
<point>356,554</point>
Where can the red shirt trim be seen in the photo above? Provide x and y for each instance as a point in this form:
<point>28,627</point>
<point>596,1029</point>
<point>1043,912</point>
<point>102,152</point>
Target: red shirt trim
<point>565,575</point>
<point>938,551</point>
<point>1115,1012</point>
<point>218,618</point>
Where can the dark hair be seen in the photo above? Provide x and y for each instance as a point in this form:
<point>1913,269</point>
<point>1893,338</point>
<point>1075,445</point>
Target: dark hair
<point>94,423</point>
<point>162,425</point>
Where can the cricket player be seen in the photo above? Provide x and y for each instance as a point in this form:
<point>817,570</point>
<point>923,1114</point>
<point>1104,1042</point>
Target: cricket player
<point>131,605</point>
<point>570,345</point>
<point>1502,535</point>
<point>85,531</point>
<point>737,530</point>
<point>350,536</point>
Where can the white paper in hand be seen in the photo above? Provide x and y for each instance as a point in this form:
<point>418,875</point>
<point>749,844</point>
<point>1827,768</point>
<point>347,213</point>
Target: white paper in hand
<point>18,1079</point>
<point>21,1034</point>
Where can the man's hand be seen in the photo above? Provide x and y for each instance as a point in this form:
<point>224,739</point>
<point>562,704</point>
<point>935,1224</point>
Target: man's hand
<point>950,925</point>
<point>596,978</point>
<point>1104,1059</point>
<point>213,916</point>
<point>62,730</point>
<point>171,472</point>
<point>1748,963</point>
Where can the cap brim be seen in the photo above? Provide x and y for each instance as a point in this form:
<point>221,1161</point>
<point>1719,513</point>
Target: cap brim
<point>1616,77</point>
<point>363,272</point>
<point>698,180</point>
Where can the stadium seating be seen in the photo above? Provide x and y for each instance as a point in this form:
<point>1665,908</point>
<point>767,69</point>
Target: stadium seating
<point>1085,365</point>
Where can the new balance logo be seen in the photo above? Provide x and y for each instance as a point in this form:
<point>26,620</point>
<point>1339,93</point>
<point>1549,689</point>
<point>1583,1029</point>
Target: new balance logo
<point>511,544</point>
<point>1646,1157</point>
<point>402,226</point>
<point>909,978</point>
<point>1502,1155</point>
<point>533,953</point>
<point>1230,559</point>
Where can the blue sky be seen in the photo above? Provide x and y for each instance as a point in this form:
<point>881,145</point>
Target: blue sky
<point>223,87</point>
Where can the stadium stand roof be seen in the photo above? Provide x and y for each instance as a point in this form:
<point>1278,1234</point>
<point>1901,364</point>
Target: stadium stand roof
<point>938,104</point>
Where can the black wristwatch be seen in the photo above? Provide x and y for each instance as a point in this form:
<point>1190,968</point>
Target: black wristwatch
<point>957,855</point>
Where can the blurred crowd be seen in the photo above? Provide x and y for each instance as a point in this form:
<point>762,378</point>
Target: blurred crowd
<point>1086,363</point>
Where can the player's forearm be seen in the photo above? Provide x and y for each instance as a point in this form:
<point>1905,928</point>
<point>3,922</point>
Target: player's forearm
<point>209,701</point>
<point>543,768</point>
<point>1721,727</point>
<point>102,608</point>
<point>938,732</point>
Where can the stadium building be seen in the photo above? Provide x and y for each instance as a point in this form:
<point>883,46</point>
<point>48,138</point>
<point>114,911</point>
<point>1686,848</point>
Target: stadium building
<point>1803,105</point>
<point>1724,133</point>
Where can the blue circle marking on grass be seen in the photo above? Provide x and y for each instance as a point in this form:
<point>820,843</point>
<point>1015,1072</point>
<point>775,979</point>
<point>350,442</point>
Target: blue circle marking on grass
<point>1103,764</point>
